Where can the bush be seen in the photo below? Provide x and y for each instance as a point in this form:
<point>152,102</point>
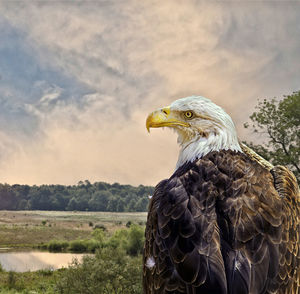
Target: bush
<point>45,272</point>
<point>43,246</point>
<point>135,240</point>
<point>118,240</point>
<point>108,272</point>
<point>78,246</point>
<point>93,245</point>
<point>101,227</point>
<point>58,246</point>
<point>99,235</point>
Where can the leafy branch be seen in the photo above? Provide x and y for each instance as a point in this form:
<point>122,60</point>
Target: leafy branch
<point>279,121</point>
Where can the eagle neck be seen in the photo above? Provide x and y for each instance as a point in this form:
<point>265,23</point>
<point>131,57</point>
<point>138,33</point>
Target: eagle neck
<point>201,146</point>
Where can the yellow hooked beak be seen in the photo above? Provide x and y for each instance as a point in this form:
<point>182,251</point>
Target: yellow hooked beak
<point>163,117</point>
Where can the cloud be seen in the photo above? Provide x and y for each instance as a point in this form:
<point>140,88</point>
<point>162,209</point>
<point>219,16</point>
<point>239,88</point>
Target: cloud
<point>94,148</point>
<point>78,79</point>
<point>51,95</point>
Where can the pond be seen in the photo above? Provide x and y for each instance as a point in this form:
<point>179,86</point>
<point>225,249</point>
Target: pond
<point>35,260</point>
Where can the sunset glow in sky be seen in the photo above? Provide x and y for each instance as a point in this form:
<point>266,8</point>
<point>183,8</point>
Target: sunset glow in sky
<point>78,79</point>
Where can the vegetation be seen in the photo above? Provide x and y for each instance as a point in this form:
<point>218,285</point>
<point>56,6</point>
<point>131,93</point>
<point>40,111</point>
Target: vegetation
<point>115,267</point>
<point>56,246</point>
<point>108,272</point>
<point>19,229</point>
<point>28,236</point>
<point>85,196</point>
<point>38,282</point>
<point>280,122</point>
<point>130,240</point>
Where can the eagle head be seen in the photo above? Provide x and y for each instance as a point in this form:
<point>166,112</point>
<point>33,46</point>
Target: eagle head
<point>201,125</point>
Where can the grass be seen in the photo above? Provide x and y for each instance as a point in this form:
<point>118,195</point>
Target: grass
<point>114,268</point>
<point>71,216</point>
<point>19,229</point>
<point>28,283</point>
<point>21,237</point>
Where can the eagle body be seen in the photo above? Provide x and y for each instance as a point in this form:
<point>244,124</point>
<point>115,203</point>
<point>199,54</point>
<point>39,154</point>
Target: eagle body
<point>226,221</point>
<point>219,225</point>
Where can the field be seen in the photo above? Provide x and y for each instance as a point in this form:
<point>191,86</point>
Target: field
<point>29,228</point>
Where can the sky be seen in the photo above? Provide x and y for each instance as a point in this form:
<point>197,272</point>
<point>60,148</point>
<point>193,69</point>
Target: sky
<point>78,79</point>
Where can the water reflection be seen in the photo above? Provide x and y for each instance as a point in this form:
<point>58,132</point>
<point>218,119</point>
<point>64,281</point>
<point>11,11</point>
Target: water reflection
<point>34,260</point>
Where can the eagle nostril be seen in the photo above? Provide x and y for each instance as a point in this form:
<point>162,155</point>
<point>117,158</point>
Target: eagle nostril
<point>164,111</point>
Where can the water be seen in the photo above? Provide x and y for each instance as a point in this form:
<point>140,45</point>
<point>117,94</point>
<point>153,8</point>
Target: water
<point>35,260</point>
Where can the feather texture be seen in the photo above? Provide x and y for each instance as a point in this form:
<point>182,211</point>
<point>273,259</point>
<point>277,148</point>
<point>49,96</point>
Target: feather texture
<point>224,224</point>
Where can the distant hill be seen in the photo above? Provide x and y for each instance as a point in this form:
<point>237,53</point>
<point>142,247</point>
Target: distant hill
<point>84,196</point>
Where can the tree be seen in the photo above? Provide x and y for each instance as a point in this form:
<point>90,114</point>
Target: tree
<point>7,197</point>
<point>99,196</point>
<point>99,200</point>
<point>72,205</point>
<point>112,204</point>
<point>141,204</point>
<point>280,121</point>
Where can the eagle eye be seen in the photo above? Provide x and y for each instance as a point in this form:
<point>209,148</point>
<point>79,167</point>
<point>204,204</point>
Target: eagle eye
<point>188,114</point>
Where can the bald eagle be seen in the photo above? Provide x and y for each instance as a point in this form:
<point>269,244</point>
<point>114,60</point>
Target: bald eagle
<point>226,221</point>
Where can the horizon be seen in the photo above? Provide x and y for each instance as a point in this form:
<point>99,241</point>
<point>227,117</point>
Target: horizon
<point>77,184</point>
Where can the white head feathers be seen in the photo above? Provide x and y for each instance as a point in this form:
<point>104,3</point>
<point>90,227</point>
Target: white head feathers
<point>210,129</point>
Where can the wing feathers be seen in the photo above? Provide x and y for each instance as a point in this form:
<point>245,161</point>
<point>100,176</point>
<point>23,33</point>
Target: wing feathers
<point>240,273</point>
<point>224,224</point>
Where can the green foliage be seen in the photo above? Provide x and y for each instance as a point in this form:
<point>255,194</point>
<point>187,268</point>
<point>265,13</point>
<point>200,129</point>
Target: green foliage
<point>7,197</point>
<point>118,240</point>
<point>135,242</point>
<point>108,272</point>
<point>85,196</point>
<point>131,240</point>
<point>279,121</point>
<point>93,245</point>
<point>78,246</point>
<point>29,282</point>
<point>57,246</point>
<point>11,281</point>
<point>45,272</point>
<point>98,234</point>
<point>115,268</point>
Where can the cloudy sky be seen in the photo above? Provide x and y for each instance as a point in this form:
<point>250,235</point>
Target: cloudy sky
<point>78,78</point>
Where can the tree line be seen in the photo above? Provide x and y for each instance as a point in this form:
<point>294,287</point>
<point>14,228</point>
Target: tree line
<point>84,196</point>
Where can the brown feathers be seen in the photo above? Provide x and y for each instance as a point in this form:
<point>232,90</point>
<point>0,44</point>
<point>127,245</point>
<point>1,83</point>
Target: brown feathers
<point>224,224</point>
